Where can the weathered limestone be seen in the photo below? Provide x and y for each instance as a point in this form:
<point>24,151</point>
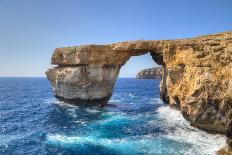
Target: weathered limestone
<point>83,84</point>
<point>197,75</point>
<point>150,73</point>
<point>87,74</point>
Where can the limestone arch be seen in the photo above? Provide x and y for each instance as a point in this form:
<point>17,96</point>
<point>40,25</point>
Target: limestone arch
<point>197,71</point>
<point>87,74</point>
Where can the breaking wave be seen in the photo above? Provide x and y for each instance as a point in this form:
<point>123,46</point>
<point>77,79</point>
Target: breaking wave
<point>178,136</point>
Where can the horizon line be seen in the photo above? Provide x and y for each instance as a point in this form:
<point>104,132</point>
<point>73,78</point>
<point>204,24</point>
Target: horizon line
<point>44,77</point>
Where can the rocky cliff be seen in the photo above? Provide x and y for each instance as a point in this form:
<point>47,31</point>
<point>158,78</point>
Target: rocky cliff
<point>151,73</point>
<point>197,75</point>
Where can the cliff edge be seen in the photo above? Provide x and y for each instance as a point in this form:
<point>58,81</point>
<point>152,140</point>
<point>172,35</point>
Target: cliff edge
<point>150,73</point>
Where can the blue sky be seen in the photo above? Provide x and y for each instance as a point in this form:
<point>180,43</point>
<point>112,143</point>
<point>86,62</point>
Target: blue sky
<point>31,29</point>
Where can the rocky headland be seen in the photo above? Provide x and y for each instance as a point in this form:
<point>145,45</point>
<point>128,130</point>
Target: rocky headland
<point>150,73</point>
<point>197,75</point>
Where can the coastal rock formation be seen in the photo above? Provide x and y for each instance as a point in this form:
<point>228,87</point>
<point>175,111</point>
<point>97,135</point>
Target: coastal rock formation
<point>197,76</point>
<point>88,85</point>
<point>151,73</point>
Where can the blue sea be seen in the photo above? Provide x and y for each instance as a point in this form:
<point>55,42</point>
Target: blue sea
<point>33,121</point>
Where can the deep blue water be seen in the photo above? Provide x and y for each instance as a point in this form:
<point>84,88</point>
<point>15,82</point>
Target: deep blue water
<point>32,121</point>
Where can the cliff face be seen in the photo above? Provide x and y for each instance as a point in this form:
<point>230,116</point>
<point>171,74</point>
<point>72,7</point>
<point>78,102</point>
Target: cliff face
<point>198,80</point>
<point>83,84</point>
<point>197,75</point>
<point>151,73</point>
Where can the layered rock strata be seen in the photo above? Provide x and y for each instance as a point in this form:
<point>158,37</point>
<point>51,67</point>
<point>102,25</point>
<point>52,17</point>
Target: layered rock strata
<point>151,73</point>
<point>83,84</point>
<point>197,76</point>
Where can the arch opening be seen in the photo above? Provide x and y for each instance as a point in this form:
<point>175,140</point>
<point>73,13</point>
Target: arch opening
<point>88,73</point>
<point>135,64</point>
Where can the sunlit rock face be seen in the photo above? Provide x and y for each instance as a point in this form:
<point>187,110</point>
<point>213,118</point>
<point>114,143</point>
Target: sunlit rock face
<point>198,79</point>
<point>150,73</point>
<point>87,74</point>
<point>83,84</point>
<point>197,74</point>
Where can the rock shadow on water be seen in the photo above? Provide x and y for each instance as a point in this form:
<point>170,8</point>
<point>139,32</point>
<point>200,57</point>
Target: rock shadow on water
<point>62,117</point>
<point>86,103</point>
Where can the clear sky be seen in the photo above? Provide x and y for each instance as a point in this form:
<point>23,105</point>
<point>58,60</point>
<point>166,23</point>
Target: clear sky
<point>31,29</point>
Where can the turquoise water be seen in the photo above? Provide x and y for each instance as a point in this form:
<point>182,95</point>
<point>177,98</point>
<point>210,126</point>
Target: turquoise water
<point>135,121</point>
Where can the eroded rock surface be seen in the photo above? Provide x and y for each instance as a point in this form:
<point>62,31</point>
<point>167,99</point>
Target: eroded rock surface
<point>197,75</point>
<point>150,73</point>
<point>83,84</point>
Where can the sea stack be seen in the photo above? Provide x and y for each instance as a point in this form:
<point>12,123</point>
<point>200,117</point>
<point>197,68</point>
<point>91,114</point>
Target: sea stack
<point>150,73</point>
<point>197,75</point>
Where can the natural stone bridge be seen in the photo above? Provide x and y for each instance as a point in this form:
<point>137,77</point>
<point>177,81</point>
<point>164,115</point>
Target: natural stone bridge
<point>197,75</point>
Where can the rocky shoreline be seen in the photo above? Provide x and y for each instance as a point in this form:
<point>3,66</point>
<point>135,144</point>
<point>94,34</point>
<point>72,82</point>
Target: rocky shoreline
<point>150,73</point>
<point>197,75</point>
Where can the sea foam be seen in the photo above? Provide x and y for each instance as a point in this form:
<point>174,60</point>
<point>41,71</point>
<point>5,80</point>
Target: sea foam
<point>188,139</point>
<point>204,142</point>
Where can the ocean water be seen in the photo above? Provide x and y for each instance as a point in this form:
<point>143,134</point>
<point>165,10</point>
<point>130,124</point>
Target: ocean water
<point>136,121</point>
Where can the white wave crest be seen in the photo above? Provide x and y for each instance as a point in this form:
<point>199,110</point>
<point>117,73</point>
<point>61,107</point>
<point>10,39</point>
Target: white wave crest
<point>127,146</point>
<point>92,110</point>
<point>185,133</point>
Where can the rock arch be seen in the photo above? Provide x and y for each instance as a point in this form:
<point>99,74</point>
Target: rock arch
<point>87,74</point>
<point>197,74</point>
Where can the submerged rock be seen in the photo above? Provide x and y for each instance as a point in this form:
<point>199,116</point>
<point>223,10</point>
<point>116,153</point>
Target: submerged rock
<point>197,74</point>
<point>151,73</point>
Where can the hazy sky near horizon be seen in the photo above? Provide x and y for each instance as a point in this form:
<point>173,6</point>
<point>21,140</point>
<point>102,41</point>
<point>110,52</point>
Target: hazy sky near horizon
<point>31,29</point>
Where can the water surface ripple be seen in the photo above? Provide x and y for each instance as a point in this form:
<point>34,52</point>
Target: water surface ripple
<point>32,121</point>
